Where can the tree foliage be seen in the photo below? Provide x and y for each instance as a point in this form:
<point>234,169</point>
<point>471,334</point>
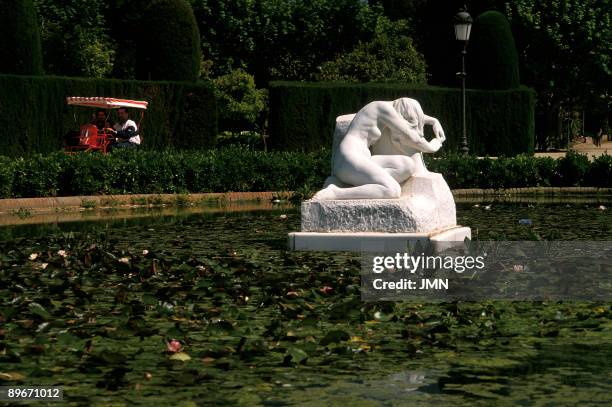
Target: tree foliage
<point>281,39</point>
<point>493,55</point>
<point>157,40</point>
<point>565,48</point>
<point>75,37</point>
<point>20,49</point>
<point>239,102</point>
<point>390,55</point>
<point>565,55</point>
<point>168,47</point>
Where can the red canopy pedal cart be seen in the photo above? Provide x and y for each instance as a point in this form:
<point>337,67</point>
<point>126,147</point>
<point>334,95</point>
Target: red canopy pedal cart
<point>89,137</point>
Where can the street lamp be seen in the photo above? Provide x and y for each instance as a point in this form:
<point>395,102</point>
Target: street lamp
<point>463,28</point>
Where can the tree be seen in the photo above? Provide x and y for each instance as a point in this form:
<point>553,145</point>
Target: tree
<point>240,104</point>
<point>493,57</point>
<point>20,49</point>
<point>281,39</point>
<point>563,48</point>
<point>168,46</point>
<point>565,55</point>
<point>157,40</point>
<point>390,55</point>
<point>433,34</point>
<point>75,37</point>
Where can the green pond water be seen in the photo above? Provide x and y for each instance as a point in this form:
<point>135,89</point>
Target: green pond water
<point>83,307</point>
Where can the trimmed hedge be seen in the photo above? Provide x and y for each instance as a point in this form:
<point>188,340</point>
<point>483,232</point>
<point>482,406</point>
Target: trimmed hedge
<point>302,115</point>
<point>492,57</point>
<point>239,169</point>
<point>523,171</point>
<point>34,116</point>
<point>169,47</point>
<point>20,47</point>
<point>133,171</point>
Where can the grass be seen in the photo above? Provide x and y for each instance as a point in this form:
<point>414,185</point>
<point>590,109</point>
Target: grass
<point>88,204</point>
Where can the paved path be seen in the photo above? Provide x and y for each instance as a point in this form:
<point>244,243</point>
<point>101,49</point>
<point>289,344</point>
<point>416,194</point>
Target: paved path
<point>584,148</point>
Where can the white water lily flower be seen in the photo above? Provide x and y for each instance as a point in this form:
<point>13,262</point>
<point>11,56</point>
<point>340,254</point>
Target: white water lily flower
<point>283,216</point>
<point>124,260</point>
<point>62,253</point>
<point>33,256</point>
<point>44,265</point>
<point>602,208</point>
<point>145,252</point>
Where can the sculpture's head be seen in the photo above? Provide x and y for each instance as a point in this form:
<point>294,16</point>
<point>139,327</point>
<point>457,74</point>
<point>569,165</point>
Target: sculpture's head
<point>411,110</point>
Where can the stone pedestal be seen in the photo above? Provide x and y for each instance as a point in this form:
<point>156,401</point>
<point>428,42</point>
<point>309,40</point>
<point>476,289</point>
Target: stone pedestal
<point>425,212</point>
<point>376,242</point>
<point>426,205</point>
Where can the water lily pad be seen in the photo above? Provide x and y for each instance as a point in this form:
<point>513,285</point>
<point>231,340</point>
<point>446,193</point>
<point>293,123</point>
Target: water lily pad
<point>181,356</point>
<point>11,376</point>
<point>297,355</point>
<point>37,309</point>
<point>335,336</point>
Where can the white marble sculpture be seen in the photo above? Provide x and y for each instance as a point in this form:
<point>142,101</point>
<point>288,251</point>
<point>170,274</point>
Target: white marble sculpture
<point>380,194</point>
<point>395,132</point>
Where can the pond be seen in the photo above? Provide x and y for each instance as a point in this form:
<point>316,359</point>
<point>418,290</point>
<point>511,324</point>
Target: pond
<point>92,306</point>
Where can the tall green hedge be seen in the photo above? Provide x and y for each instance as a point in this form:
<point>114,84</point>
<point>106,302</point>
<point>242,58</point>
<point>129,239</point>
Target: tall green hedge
<point>20,49</point>
<point>169,46</point>
<point>302,115</point>
<point>492,55</point>
<point>34,115</point>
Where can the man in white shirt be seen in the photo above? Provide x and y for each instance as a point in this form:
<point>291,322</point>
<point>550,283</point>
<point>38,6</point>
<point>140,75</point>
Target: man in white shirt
<point>125,131</point>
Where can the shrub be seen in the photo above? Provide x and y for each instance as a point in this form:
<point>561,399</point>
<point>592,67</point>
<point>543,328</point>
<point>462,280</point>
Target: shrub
<point>523,170</point>
<point>457,170</point>
<point>20,50</point>
<point>548,170</point>
<point>573,169</point>
<point>600,172</point>
<point>240,103</point>
<point>80,175</point>
<point>250,139</point>
<point>389,56</point>
<point>492,55</point>
<point>6,176</point>
<point>240,169</point>
<point>38,175</point>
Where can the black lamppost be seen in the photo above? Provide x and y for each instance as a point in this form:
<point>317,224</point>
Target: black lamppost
<point>463,27</point>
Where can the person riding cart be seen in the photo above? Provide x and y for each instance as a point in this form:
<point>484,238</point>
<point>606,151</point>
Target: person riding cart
<point>98,135</point>
<point>125,131</point>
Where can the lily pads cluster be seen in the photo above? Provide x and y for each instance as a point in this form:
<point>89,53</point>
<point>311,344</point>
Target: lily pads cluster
<point>216,310</point>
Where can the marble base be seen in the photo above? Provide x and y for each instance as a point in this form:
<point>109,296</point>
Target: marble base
<point>376,241</point>
<point>426,205</point>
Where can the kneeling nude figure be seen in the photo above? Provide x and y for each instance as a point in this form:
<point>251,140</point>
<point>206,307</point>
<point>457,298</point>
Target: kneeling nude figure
<point>379,176</point>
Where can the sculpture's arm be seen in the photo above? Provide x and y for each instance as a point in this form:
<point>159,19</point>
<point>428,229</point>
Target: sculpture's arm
<point>405,134</point>
<point>437,127</point>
